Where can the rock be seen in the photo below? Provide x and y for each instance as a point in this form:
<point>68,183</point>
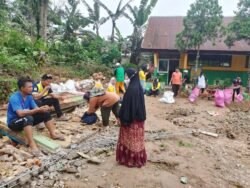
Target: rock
<point>75,119</point>
<point>78,175</point>
<point>49,183</point>
<point>41,177</point>
<point>35,171</point>
<point>184,180</point>
<point>78,163</point>
<point>71,170</point>
<point>53,175</point>
<point>24,179</point>
<point>33,184</point>
<point>6,158</point>
<point>46,175</point>
<point>52,168</point>
<point>94,160</point>
<point>83,155</point>
<point>72,155</point>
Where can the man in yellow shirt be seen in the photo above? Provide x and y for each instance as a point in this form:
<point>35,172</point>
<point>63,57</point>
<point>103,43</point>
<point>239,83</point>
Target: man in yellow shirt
<point>142,76</point>
<point>44,95</point>
<point>155,88</point>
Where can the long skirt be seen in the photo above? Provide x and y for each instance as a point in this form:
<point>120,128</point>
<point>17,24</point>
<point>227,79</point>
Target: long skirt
<point>130,149</point>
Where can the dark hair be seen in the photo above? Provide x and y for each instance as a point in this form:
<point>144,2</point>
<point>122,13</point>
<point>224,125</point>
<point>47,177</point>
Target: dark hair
<point>202,73</point>
<point>47,77</point>
<point>87,96</point>
<point>22,81</point>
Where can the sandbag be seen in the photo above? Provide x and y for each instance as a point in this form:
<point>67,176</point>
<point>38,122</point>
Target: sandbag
<point>228,95</point>
<point>168,97</point>
<point>239,98</point>
<point>219,98</point>
<point>195,93</point>
<point>89,119</point>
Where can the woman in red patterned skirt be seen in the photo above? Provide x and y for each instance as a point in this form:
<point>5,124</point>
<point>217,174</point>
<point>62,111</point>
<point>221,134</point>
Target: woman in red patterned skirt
<point>130,149</point>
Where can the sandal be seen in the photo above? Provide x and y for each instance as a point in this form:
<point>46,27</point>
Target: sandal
<point>58,137</point>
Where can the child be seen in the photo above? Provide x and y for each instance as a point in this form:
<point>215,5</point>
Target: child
<point>111,86</point>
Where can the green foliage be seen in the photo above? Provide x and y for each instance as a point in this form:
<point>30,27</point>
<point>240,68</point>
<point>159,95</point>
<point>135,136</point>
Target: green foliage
<point>139,19</point>
<point>114,16</point>
<point>129,65</point>
<point>202,23</point>
<point>7,86</point>
<point>110,54</point>
<point>239,29</point>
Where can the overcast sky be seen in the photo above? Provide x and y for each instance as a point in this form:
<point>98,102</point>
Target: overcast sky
<point>163,8</point>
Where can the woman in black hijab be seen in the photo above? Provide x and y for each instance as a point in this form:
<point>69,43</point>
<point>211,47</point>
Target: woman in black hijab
<point>131,147</point>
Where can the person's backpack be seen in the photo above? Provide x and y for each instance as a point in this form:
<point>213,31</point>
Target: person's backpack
<point>89,119</point>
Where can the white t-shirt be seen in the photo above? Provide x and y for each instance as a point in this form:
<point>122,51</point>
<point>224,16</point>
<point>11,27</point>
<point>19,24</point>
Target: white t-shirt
<point>201,82</point>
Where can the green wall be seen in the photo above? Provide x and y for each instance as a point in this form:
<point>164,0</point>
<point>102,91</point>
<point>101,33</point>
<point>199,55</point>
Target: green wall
<point>222,75</point>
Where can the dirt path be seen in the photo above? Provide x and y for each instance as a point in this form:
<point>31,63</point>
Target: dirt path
<point>206,161</point>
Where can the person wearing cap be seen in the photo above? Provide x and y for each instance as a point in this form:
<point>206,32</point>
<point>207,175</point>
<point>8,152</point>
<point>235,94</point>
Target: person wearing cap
<point>43,95</point>
<point>120,77</point>
<point>107,101</point>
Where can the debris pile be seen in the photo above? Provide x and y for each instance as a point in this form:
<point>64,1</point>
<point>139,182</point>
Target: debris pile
<point>15,161</point>
<point>98,76</point>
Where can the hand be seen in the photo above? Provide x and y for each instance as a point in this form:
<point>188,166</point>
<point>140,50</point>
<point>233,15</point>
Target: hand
<point>47,88</point>
<point>118,121</point>
<point>45,108</point>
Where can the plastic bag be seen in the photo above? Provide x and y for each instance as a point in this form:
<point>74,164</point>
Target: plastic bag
<point>228,95</point>
<point>195,93</point>
<point>239,98</point>
<point>168,97</point>
<point>70,85</point>
<point>219,98</point>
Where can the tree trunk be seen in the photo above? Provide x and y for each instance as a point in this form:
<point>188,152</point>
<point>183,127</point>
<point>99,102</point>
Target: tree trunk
<point>43,19</point>
<point>97,30</point>
<point>113,31</point>
<point>135,48</point>
<point>197,59</point>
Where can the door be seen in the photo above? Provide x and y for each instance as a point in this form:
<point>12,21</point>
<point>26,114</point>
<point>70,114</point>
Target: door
<point>163,70</point>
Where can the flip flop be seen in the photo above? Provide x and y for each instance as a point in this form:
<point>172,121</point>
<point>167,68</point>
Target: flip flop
<point>58,137</point>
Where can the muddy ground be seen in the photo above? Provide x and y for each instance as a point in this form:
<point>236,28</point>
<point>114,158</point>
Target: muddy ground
<point>206,161</point>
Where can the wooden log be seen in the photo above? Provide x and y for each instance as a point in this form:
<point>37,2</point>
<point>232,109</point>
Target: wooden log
<point>208,133</point>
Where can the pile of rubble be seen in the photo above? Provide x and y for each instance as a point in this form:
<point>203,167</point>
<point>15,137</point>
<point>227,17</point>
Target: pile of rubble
<point>15,161</point>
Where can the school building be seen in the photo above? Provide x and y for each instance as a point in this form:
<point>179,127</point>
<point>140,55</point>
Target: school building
<point>217,61</point>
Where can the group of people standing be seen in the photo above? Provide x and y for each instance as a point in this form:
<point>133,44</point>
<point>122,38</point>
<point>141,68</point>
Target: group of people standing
<point>130,113</point>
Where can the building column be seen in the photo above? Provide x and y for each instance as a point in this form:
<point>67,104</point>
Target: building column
<point>185,63</point>
<point>156,60</point>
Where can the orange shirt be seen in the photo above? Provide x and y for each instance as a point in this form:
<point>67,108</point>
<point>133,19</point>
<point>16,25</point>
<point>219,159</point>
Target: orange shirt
<point>177,78</point>
<point>106,100</point>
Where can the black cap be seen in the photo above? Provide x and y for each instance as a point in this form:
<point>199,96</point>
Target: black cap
<point>47,77</point>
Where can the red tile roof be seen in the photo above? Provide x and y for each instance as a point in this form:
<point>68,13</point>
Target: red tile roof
<point>161,34</point>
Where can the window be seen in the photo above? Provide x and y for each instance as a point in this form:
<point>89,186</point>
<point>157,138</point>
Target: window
<point>210,60</point>
<point>163,65</point>
<point>247,62</point>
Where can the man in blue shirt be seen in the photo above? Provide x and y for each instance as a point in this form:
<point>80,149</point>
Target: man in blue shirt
<point>23,113</point>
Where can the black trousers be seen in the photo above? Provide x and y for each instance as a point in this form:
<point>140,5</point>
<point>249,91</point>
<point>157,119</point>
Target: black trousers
<point>155,92</point>
<point>51,102</point>
<point>175,89</point>
<point>20,123</point>
<point>105,111</point>
<point>237,91</point>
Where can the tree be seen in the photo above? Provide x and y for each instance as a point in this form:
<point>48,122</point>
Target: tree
<point>139,19</point>
<point>202,23</point>
<point>114,16</point>
<point>239,29</point>
<point>74,19</point>
<point>94,16</point>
